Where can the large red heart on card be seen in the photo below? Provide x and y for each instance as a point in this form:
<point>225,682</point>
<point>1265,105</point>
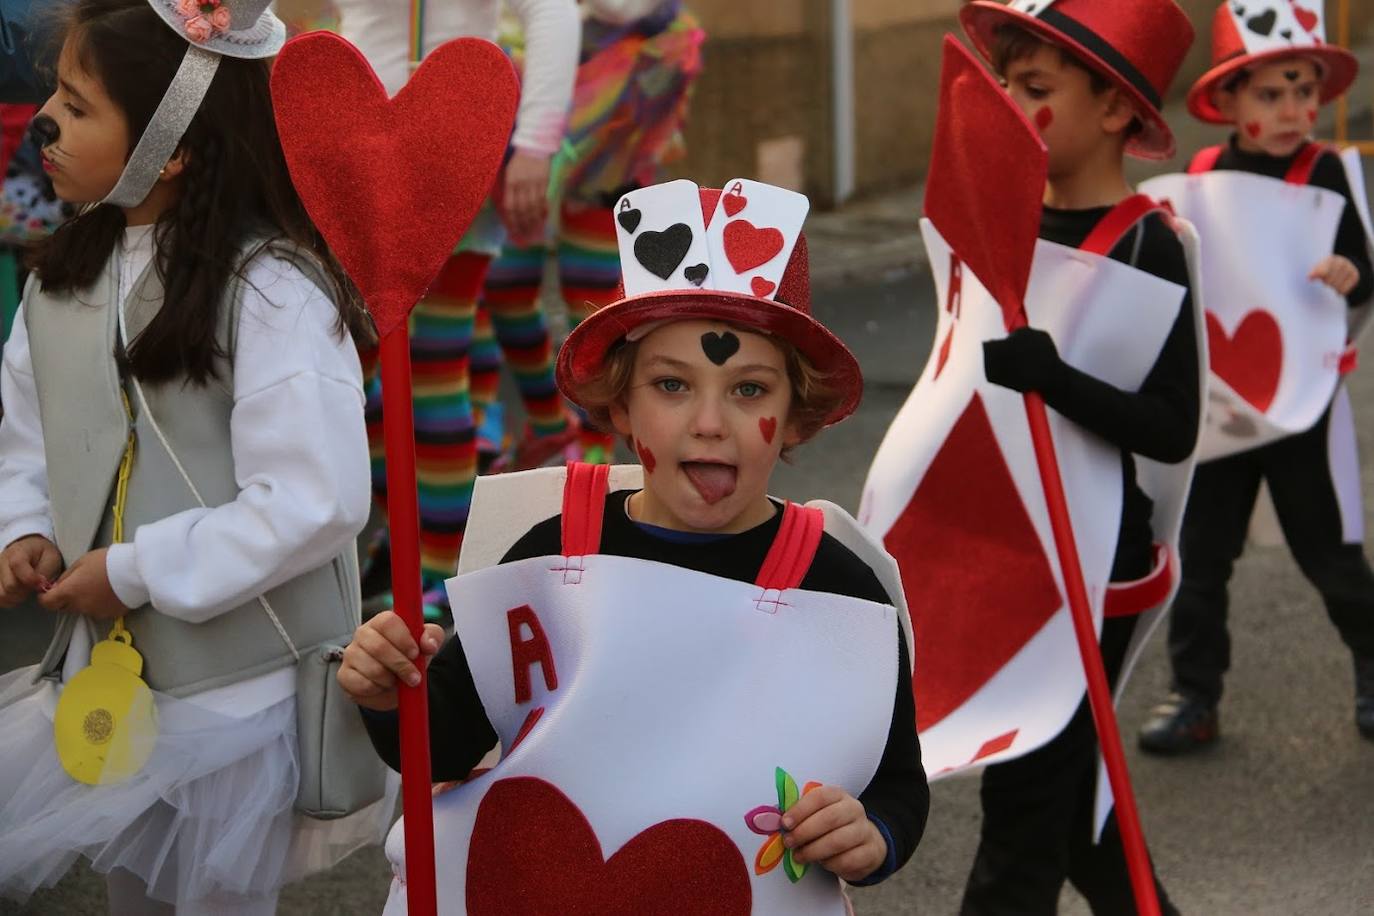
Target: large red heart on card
<point>977,579</point>
<point>532,851</point>
<point>393,184</point>
<point>747,246</point>
<point>1251,359</point>
<point>1306,18</point>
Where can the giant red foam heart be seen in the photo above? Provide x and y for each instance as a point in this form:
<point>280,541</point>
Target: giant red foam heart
<point>532,851</point>
<point>747,246</point>
<point>393,184</point>
<point>1251,359</point>
<point>977,579</point>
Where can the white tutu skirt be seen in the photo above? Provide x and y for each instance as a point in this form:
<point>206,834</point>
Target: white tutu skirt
<point>210,813</point>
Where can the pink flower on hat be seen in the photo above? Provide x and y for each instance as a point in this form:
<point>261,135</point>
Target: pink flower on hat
<point>204,18</point>
<point>188,8</point>
<point>220,19</point>
<point>199,29</point>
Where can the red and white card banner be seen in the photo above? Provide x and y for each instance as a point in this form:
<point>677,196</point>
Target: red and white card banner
<point>955,495</point>
<point>1275,337</point>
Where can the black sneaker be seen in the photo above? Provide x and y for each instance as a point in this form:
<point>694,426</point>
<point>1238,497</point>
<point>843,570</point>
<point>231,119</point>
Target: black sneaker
<point>1182,723</point>
<point>1364,696</point>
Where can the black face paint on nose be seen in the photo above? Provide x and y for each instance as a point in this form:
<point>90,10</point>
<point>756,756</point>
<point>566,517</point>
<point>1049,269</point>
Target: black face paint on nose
<point>44,131</point>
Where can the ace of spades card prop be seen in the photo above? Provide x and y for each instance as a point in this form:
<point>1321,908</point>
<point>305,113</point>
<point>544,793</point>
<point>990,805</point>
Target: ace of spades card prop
<point>1278,341</point>
<point>646,748</point>
<point>1276,25</point>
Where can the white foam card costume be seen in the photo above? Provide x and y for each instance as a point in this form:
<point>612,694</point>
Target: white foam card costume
<point>1279,342</point>
<point>955,495</point>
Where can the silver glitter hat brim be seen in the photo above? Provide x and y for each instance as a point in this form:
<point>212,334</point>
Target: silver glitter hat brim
<point>168,125</point>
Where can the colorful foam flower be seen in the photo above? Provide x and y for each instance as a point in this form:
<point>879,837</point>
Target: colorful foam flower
<point>766,820</point>
<point>204,18</point>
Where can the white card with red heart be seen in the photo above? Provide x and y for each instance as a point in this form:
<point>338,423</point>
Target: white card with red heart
<point>1269,25</point>
<point>662,238</point>
<point>751,235</point>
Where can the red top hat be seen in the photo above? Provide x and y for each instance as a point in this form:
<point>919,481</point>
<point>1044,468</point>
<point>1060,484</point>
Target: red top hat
<point>1262,35</point>
<point>787,315</point>
<point>1137,44</point>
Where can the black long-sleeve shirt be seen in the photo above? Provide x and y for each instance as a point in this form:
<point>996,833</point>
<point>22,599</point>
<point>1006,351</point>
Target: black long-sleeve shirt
<point>461,734</point>
<point>1159,421</point>
<point>1328,173</point>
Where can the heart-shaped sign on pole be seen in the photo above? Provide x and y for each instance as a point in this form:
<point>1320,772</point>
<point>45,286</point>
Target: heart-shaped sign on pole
<point>984,193</point>
<point>393,184</point>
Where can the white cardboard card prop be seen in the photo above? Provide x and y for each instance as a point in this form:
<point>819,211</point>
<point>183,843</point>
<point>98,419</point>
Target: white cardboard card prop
<point>748,234</point>
<point>955,495</point>
<point>1273,25</point>
<point>1276,339</point>
<point>649,741</point>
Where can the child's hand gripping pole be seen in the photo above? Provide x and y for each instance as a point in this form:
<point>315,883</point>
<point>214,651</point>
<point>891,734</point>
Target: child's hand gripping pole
<point>984,193</point>
<point>393,185</point>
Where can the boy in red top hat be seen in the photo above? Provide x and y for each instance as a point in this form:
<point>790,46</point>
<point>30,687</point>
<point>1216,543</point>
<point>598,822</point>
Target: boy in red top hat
<point>1270,87</point>
<point>1091,76</point>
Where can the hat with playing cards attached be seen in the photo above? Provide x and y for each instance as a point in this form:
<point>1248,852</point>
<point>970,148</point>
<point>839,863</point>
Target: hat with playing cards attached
<point>1137,44</point>
<point>1246,33</point>
<point>737,256</point>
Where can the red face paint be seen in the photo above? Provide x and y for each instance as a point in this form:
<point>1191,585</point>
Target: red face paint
<point>1044,117</point>
<point>1253,129</point>
<point>646,457</point>
<point>769,428</point>
<point>1312,116</point>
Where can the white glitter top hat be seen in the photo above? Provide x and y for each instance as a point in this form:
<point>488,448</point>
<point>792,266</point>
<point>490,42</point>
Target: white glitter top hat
<point>213,29</point>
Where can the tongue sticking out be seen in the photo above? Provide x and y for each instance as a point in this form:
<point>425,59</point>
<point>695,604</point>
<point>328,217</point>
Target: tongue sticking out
<point>713,481</point>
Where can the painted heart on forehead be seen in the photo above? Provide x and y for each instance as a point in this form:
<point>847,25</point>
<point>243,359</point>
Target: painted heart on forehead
<point>1250,360</point>
<point>365,165</point>
<point>533,851</point>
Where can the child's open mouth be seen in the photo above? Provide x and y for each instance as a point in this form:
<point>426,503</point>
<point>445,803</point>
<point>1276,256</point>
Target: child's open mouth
<point>714,481</point>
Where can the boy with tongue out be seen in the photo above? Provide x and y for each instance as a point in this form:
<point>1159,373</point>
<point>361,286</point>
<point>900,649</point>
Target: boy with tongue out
<point>710,386</point>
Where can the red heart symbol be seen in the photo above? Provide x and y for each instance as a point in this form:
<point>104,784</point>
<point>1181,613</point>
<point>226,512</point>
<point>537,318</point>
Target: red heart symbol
<point>646,457</point>
<point>747,246</point>
<point>977,580</point>
<point>769,428</point>
<point>383,178</point>
<point>733,203</point>
<point>1306,18</point>
<point>762,287</point>
<point>1251,359</point>
<point>532,851</point>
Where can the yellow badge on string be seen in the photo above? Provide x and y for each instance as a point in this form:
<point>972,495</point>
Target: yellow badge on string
<point>106,724</point>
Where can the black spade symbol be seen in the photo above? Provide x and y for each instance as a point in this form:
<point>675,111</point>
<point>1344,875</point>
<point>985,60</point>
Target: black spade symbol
<point>719,347</point>
<point>1287,34</point>
<point>1240,10</point>
<point>696,274</point>
<point>629,220</point>
<point>1030,8</point>
<point>1262,24</point>
<point>662,252</point>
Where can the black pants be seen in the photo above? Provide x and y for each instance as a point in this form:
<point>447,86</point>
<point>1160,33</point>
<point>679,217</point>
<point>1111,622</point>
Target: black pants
<point>1038,822</point>
<point>1298,472</point>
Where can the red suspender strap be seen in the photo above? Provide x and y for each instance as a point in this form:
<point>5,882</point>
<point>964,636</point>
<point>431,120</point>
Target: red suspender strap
<point>584,502</point>
<point>1300,172</point>
<point>1205,160</point>
<point>1113,227</point>
<point>1126,599</point>
<point>789,559</point>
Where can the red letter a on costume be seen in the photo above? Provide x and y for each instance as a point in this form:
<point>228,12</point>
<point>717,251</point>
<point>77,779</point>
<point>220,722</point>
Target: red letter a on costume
<point>527,652</point>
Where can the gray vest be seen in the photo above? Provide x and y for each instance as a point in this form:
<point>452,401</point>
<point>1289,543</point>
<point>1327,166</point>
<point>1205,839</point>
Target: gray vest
<point>72,341</point>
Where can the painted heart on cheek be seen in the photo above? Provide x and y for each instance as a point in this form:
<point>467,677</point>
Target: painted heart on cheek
<point>769,427</point>
<point>1253,129</point>
<point>646,457</point>
<point>1044,117</point>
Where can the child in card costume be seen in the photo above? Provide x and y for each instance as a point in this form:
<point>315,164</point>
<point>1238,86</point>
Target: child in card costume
<point>1286,268</point>
<point>627,653</point>
<point>184,432</point>
<point>1113,349</point>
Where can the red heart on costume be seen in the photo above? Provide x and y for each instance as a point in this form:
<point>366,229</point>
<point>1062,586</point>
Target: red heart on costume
<point>761,286</point>
<point>1251,359</point>
<point>393,184</point>
<point>1306,18</point>
<point>734,203</point>
<point>533,851</point>
<point>747,246</point>
<point>977,579</point>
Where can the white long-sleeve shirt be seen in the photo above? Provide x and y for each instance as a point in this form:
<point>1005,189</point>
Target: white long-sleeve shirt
<point>381,30</point>
<point>300,459</point>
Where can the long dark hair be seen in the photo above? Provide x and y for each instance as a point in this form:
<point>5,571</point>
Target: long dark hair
<point>235,185</point>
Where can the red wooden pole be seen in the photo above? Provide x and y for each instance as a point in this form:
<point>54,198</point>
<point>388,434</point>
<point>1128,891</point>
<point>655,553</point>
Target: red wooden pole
<point>403,510</point>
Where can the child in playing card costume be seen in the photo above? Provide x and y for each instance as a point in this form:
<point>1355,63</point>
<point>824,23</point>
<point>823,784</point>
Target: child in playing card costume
<point>183,432</point>
<point>1271,88</point>
<point>1090,77</point>
<point>393,35</point>
<point>696,725</point>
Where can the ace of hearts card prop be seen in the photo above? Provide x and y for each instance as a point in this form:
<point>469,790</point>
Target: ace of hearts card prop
<point>955,494</point>
<point>751,235</point>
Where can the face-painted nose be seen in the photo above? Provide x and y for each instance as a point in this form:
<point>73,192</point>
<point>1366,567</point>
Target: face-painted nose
<point>44,131</point>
